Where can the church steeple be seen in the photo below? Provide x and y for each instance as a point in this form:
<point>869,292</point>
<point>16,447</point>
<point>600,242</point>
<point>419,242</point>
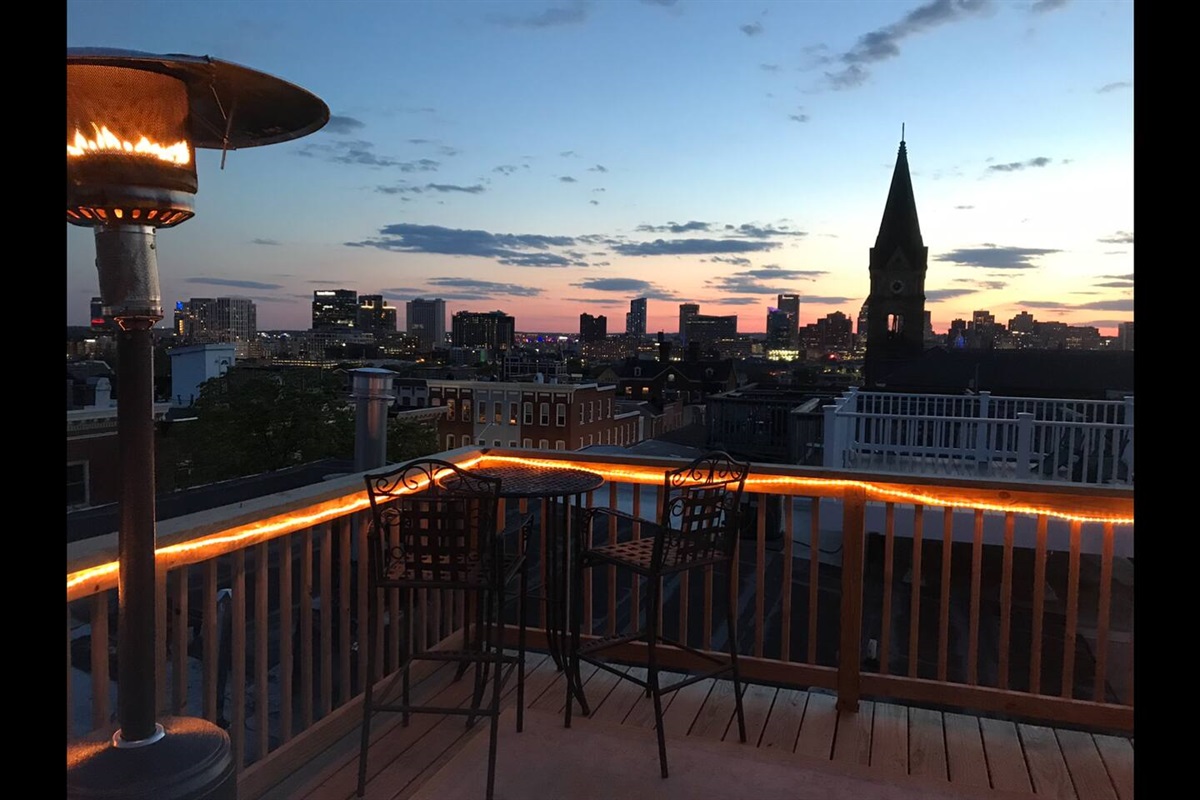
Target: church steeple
<point>899,259</point>
<point>900,227</point>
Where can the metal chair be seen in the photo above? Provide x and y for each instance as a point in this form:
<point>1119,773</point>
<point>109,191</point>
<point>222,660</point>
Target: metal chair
<point>697,528</point>
<point>434,526</point>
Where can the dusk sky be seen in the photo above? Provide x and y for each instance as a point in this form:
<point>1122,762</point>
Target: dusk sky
<point>552,158</point>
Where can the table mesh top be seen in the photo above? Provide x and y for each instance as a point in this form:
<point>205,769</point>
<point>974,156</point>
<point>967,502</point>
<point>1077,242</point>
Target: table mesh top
<point>521,480</point>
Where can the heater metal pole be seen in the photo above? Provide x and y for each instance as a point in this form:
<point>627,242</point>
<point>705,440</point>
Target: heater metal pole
<point>128,267</point>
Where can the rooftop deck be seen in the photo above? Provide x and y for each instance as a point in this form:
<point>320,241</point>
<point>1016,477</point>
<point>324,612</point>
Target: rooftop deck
<point>933,753</point>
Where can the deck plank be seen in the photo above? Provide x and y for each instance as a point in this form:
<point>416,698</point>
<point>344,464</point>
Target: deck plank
<point>966,763</point>
<point>852,741</point>
<point>641,714</point>
<point>596,688</point>
<point>685,707</point>
<point>716,715</point>
<point>1117,754</point>
<point>927,745</point>
<point>757,701</point>
<point>1047,767</point>
<point>1005,760</point>
<point>889,739</point>
<point>818,727</point>
<point>620,700</point>
<point>783,724</point>
<point>1090,778</point>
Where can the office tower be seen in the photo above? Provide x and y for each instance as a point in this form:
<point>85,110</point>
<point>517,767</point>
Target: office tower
<point>427,321</point>
<point>194,318</point>
<point>789,304</point>
<point>335,310</point>
<point>686,312</point>
<point>706,330</point>
<point>1125,336</point>
<point>375,316</point>
<point>1022,323</point>
<point>593,329</point>
<point>779,330</point>
<point>236,319</point>
<point>635,320</point>
<point>491,329</point>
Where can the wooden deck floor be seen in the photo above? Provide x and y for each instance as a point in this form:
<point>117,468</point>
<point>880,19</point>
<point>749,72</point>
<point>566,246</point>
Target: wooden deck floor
<point>887,738</point>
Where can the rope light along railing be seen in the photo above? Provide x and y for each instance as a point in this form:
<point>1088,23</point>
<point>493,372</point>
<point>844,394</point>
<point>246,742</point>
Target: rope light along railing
<point>250,534</point>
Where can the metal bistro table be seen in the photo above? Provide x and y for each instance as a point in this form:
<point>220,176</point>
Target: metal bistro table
<point>558,489</point>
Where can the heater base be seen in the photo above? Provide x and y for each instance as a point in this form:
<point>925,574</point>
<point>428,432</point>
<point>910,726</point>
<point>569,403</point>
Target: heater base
<point>193,761</point>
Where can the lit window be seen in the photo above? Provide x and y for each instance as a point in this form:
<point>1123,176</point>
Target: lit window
<point>499,413</point>
<point>466,410</point>
<point>512,413</point>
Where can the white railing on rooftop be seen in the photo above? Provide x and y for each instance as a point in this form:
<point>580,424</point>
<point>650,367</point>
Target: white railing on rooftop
<point>1076,441</point>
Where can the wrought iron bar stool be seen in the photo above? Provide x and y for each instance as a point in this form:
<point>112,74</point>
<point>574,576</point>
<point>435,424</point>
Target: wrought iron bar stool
<point>435,526</point>
<point>697,529</point>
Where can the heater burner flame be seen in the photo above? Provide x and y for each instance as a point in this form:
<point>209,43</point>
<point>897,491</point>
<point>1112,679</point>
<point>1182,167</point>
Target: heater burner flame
<point>107,142</point>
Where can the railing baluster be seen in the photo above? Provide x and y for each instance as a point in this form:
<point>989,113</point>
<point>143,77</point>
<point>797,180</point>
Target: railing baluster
<point>944,607</point>
<point>358,527</point>
<point>209,640</point>
<point>342,529</point>
<point>1006,598</point>
<point>785,627</point>
<point>1102,614</point>
<point>1068,681</point>
<point>327,611</point>
<point>286,662</point>
<point>635,584</point>
<point>307,655</point>
<point>262,689</point>
<point>99,627</point>
<point>889,554</point>
<point>612,571</point>
<point>179,642</point>
<point>914,609</point>
<point>237,675</point>
<point>760,566</point>
<point>161,639</point>
<point>973,624</point>
<point>589,614</point>
<point>1039,605</point>
<point>543,526</point>
<point>850,651</point>
<point>814,576</point>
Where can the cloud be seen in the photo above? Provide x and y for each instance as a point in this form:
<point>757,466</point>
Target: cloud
<point>769,67</point>
<point>236,284</point>
<point>470,289</point>
<point>963,208</point>
<point>762,280</point>
<point>798,117</point>
<point>660,247</point>
<point>1042,6</point>
<point>884,43</point>
<point>757,232</point>
<point>939,295</point>
<point>1098,305</point>
<point>978,285</point>
<point>751,29</point>
<point>361,152</point>
<point>1120,237</point>
<point>736,260</point>
<point>1112,87</point>
<point>594,202</point>
<point>994,256</point>
<point>522,250</point>
<point>627,286</point>
<point>598,168</point>
<point>1014,166</point>
<point>265,241</point>
<point>735,301</point>
<point>342,125</point>
<point>431,187</point>
<point>507,169</point>
<point>552,17</point>
<point>675,227</point>
<point>568,179</point>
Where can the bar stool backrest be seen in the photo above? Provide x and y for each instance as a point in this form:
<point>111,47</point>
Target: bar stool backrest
<point>700,512</point>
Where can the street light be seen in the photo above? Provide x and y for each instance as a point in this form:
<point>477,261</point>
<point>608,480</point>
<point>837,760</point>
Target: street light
<point>133,122</point>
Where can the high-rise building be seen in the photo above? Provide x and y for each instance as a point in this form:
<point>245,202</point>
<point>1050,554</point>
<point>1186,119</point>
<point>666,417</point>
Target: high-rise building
<point>335,310</point>
<point>1125,336</point>
<point>789,304</point>
<point>491,329</point>
<point>706,330</point>
<point>375,315</point>
<point>635,320</point>
<point>194,318</point>
<point>236,319</point>
<point>686,312</point>
<point>779,330</point>
<point>427,321</point>
<point>593,329</point>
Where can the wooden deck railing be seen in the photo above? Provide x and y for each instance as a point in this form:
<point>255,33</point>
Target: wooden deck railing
<point>1006,598</point>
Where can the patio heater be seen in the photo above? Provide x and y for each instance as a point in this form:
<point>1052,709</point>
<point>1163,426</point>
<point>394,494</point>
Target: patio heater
<point>134,120</point>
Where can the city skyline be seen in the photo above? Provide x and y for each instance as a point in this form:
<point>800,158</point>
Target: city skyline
<point>548,159</point>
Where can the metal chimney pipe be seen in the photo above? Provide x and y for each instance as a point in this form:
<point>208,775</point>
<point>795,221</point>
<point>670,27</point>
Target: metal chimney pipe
<point>372,391</point>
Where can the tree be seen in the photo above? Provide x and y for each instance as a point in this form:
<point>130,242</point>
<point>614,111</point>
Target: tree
<point>251,421</point>
<point>410,438</point>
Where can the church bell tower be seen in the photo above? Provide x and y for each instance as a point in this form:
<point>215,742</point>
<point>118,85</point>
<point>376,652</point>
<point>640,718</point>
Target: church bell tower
<point>896,303</point>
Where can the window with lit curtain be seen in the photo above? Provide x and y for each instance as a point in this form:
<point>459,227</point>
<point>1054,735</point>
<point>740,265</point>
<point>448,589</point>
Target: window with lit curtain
<point>498,416</point>
<point>466,410</point>
<point>512,413</point>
